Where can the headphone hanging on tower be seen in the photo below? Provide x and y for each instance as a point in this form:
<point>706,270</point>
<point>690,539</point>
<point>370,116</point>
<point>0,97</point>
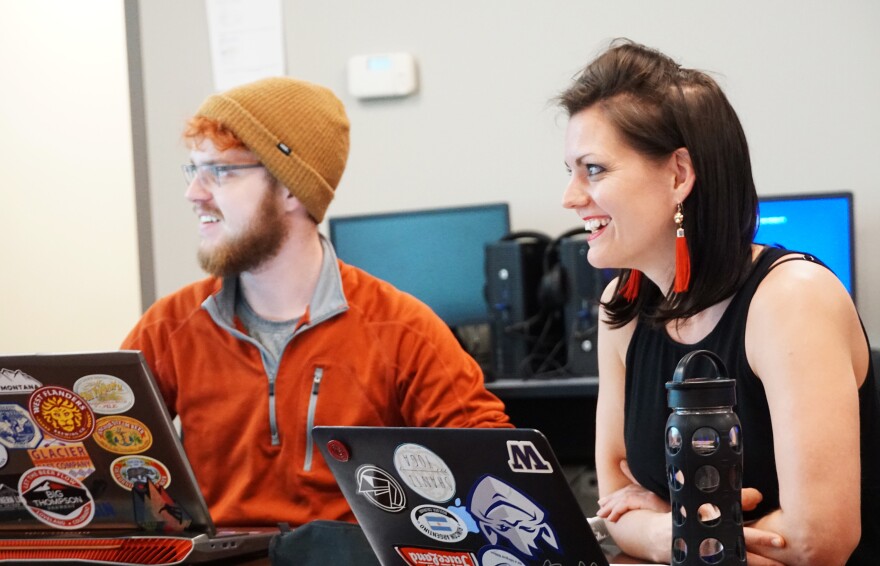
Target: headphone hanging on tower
<point>553,290</point>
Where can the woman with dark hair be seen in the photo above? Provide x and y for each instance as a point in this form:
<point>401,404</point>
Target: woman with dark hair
<point>660,175</point>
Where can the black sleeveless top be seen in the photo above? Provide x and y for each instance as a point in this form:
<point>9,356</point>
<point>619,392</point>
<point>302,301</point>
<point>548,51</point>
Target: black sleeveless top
<point>650,361</point>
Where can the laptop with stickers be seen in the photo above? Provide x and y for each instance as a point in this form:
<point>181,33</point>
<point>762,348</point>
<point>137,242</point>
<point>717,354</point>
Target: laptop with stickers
<point>92,468</point>
<point>472,497</point>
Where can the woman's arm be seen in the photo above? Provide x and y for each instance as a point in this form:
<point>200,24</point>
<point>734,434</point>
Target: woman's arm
<point>640,533</point>
<point>804,341</point>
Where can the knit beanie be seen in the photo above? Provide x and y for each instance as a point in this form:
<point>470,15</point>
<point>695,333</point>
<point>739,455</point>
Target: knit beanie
<point>297,129</point>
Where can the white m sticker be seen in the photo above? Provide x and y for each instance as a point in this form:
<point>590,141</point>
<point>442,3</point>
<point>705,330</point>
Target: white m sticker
<point>524,457</point>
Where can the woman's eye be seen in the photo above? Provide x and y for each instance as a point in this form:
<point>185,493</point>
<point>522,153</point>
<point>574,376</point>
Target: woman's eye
<point>593,170</point>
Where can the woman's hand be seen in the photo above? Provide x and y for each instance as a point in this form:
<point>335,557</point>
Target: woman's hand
<point>632,496</point>
<point>758,542</point>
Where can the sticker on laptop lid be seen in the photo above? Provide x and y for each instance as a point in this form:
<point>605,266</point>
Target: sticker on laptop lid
<point>56,499</point>
<point>16,381</point>
<point>524,457</point>
<point>380,488</point>
<point>17,429</point>
<point>506,515</point>
<point>11,508</point>
<point>68,457</point>
<point>61,413</point>
<point>129,470</point>
<point>497,556</point>
<point>155,510</point>
<point>424,472</point>
<point>463,514</point>
<point>122,435</point>
<point>417,556</point>
<point>438,523</point>
<point>105,394</point>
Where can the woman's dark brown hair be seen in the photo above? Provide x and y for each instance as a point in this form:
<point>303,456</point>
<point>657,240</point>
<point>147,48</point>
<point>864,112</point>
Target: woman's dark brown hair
<point>657,107</point>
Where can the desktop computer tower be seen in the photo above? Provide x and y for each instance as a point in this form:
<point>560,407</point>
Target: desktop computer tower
<point>583,287</point>
<point>513,274</point>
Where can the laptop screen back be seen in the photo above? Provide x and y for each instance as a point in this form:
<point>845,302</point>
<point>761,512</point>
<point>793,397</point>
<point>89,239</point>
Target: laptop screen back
<point>86,443</point>
<point>459,496</point>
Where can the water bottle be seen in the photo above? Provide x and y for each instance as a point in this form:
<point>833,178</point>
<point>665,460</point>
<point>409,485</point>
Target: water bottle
<point>704,465</point>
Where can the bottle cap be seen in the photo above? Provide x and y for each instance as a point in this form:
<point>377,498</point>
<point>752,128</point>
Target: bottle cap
<point>700,392</point>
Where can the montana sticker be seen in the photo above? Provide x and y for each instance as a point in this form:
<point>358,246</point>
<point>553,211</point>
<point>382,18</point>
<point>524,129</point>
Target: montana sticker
<point>105,394</point>
<point>122,435</point>
<point>17,381</point>
<point>56,499</point>
<point>129,470</point>
<point>424,472</point>
<point>438,523</point>
<point>61,413</point>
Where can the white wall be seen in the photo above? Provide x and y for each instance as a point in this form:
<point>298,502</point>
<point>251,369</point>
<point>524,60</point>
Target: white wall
<point>803,75</point>
<point>68,246</point>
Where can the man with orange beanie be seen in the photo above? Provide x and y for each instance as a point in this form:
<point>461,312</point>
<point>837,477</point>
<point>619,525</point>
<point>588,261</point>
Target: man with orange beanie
<point>283,336</point>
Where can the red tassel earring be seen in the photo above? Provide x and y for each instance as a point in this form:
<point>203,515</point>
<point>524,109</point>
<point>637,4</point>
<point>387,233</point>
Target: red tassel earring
<point>682,257</point>
<point>630,289</point>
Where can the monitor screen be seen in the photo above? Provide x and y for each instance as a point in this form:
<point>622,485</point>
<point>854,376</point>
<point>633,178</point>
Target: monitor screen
<point>436,255</point>
<point>818,224</point>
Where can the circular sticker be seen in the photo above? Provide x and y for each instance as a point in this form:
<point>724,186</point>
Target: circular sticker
<point>55,498</point>
<point>61,413</point>
<point>380,488</point>
<point>424,472</point>
<point>497,556</point>
<point>129,470</point>
<point>122,435</point>
<point>438,523</point>
<point>106,394</point>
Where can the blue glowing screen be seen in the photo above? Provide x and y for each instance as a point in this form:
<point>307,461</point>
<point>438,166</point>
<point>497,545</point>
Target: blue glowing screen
<point>820,224</point>
<point>437,255</point>
<point>379,63</point>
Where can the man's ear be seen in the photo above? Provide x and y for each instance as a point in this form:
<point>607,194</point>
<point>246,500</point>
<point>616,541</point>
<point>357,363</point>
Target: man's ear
<point>291,203</point>
<point>683,170</point>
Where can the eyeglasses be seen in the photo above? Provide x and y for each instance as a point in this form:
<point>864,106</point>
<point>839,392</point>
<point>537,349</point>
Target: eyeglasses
<point>211,175</point>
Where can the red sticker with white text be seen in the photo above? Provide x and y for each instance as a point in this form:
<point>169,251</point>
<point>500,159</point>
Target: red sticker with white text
<point>56,499</point>
<point>415,556</point>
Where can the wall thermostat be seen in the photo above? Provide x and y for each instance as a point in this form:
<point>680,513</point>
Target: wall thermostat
<point>382,75</point>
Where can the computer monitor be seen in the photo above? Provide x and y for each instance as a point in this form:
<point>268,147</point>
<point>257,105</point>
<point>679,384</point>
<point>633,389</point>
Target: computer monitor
<point>436,255</point>
<point>820,224</point>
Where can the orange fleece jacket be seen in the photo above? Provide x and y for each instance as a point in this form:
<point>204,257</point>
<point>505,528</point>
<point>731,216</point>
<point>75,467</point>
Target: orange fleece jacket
<point>386,360</point>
